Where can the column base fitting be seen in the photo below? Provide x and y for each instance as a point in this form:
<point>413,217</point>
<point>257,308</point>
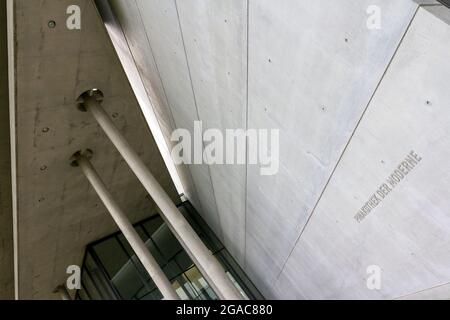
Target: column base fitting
<point>88,154</point>
<point>98,94</point>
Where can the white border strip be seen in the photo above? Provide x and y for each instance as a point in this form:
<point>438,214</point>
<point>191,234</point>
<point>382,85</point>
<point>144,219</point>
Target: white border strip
<point>12,121</point>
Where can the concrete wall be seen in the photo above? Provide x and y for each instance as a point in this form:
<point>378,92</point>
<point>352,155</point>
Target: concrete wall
<point>408,234</point>
<point>6,237</point>
<point>189,96</point>
<point>58,212</point>
<point>315,71</point>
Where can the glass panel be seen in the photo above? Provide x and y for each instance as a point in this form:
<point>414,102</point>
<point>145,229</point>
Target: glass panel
<point>201,228</point>
<point>82,294</point>
<point>154,295</point>
<point>145,277</point>
<point>180,291</point>
<point>172,270</point>
<point>191,221</point>
<point>153,224</point>
<point>111,255</point>
<point>99,278</point>
<point>242,282</point>
<point>185,288</point>
<point>155,252</point>
<point>236,284</point>
<point>90,287</point>
<point>116,272</point>
<point>167,244</point>
<point>183,260</point>
<point>141,233</point>
<point>146,289</point>
<point>125,244</point>
<point>128,281</point>
<point>200,285</point>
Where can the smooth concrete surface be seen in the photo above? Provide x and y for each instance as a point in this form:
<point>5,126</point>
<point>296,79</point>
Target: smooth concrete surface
<point>218,68</point>
<point>58,212</point>
<point>144,79</point>
<point>314,70</point>
<point>441,292</point>
<point>203,76</point>
<point>408,234</point>
<point>326,67</point>
<point>6,234</point>
<point>161,45</point>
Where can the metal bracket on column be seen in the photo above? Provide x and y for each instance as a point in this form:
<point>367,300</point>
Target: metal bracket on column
<point>88,154</point>
<point>98,94</point>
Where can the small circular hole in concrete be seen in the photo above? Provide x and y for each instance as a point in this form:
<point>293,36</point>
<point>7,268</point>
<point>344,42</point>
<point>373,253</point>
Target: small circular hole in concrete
<point>115,115</point>
<point>43,168</point>
<point>428,102</point>
<point>45,130</point>
<point>41,200</point>
<point>52,24</point>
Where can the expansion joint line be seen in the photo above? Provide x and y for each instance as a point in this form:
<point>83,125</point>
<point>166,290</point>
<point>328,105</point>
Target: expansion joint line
<point>348,142</point>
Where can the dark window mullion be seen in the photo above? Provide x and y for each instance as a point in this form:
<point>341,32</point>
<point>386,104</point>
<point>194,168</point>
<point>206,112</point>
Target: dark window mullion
<point>105,274</point>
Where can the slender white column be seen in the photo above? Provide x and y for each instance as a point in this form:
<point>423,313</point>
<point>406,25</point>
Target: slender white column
<point>63,294</point>
<point>148,261</point>
<point>202,257</point>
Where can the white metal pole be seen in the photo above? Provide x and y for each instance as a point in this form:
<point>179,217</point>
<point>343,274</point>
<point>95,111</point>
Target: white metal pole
<point>135,241</point>
<point>191,242</point>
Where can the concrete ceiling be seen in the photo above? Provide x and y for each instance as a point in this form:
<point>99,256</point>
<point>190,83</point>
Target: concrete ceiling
<point>6,234</point>
<point>349,103</point>
<point>58,213</point>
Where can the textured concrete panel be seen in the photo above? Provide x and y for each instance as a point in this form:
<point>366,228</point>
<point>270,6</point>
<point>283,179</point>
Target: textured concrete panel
<point>441,292</point>
<point>313,67</point>
<point>215,36</point>
<point>164,42</point>
<point>193,58</point>
<point>407,234</point>
<point>58,212</point>
<point>6,235</point>
<point>130,40</point>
